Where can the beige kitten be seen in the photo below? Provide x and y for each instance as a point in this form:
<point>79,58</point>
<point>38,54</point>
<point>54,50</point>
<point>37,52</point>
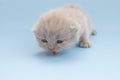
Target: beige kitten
<point>62,28</point>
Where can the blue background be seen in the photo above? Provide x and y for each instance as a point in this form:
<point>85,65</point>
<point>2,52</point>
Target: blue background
<point>22,59</point>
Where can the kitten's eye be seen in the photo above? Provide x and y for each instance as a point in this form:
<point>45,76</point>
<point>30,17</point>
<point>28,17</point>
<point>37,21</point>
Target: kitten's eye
<point>44,40</point>
<point>59,41</point>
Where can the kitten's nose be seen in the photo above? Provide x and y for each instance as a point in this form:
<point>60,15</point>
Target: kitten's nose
<point>54,52</point>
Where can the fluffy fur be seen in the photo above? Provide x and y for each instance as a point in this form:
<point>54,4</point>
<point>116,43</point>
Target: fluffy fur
<point>69,24</point>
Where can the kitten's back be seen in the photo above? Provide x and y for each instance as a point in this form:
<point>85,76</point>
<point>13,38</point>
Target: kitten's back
<point>63,17</point>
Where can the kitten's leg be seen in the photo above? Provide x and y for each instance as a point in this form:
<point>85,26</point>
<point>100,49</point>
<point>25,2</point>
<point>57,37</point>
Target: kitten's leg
<point>84,40</point>
<point>93,32</point>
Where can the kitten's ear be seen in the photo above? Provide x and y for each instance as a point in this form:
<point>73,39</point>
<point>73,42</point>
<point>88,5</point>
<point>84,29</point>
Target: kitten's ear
<point>73,29</point>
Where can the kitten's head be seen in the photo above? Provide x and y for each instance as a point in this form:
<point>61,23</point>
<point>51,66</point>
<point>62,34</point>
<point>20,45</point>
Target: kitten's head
<point>55,34</point>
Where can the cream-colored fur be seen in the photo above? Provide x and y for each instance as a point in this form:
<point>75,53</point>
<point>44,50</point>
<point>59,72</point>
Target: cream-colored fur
<point>69,23</point>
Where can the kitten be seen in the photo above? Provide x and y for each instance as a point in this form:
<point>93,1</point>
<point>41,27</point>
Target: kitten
<point>62,28</point>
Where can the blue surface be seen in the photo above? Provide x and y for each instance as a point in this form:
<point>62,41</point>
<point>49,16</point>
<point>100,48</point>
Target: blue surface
<point>22,59</point>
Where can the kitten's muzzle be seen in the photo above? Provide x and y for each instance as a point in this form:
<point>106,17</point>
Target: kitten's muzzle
<point>54,52</point>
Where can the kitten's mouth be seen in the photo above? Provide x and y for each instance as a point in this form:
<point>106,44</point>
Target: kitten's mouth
<point>54,52</point>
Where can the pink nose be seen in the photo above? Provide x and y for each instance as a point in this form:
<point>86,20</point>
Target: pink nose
<point>54,52</point>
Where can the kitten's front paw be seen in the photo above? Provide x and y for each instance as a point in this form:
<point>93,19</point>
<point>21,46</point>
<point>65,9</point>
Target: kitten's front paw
<point>94,32</point>
<point>85,44</point>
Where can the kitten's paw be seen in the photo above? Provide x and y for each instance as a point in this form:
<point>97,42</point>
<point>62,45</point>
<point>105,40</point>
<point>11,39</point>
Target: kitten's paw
<point>94,32</point>
<point>85,44</point>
